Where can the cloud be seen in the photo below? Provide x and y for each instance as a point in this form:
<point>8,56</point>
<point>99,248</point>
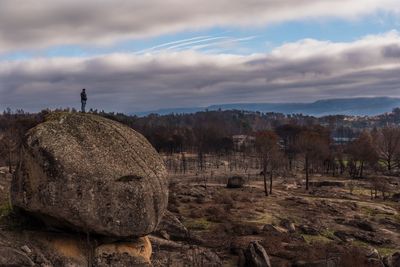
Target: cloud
<point>301,71</point>
<point>44,23</point>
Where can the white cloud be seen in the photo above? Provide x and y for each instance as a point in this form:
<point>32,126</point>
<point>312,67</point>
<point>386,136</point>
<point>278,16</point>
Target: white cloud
<point>43,23</point>
<point>129,82</point>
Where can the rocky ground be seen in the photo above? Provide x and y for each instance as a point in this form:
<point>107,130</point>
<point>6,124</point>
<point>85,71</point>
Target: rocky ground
<point>211,225</point>
<point>327,226</point>
<point>25,241</point>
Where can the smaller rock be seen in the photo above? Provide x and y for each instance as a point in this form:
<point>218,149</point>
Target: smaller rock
<point>242,259</point>
<point>390,223</point>
<point>269,228</point>
<point>13,257</point>
<point>392,260</point>
<point>235,182</point>
<point>362,224</point>
<point>171,226</point>
<point>396,197</point>
<point>241,229</point>
<point>136,253</point>
<point>169,253</point>
<point>320,263</point>
<point>26,249</point>
<point>373,254</point>
<point>367,237</point>
<point>375,262</point>
<point>164,234</point>
<point>308,230</point>
<point>327,183</point>
<point>345,237</point>
<point>256,256</point>
<point>288,225</point>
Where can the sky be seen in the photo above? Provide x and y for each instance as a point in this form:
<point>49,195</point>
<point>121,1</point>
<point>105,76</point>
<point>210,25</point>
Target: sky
<point>134,56</point>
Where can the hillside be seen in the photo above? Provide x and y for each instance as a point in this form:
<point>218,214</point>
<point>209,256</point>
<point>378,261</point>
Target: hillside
<point>344,106</point>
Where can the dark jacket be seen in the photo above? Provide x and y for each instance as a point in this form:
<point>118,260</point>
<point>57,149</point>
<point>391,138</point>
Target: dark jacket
<point>83,96</point>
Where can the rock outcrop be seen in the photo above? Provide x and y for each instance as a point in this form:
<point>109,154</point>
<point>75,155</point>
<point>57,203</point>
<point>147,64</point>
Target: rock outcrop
<point>91,174</point>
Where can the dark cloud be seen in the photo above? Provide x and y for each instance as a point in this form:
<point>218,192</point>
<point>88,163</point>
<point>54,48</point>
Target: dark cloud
<point>302,71</point>
<point>392,51</point>
<point>39,24</point>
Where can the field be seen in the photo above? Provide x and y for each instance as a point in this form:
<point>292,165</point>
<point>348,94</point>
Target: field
<point>335,221</point>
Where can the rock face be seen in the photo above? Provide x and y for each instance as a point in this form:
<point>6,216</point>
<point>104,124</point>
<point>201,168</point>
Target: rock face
<point>91,174</point>
<point>235,182</point>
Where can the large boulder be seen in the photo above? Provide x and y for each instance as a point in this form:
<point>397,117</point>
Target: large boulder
<point>91,174</point>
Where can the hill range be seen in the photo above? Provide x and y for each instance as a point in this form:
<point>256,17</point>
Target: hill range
<point>361,106</point>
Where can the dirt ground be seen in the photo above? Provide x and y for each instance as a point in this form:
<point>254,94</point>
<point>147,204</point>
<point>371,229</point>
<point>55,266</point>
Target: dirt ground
<point>327,223</point>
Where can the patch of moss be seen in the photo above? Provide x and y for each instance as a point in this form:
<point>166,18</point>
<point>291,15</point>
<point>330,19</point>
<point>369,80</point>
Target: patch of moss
<point>266,218</point>
<point>385,251</point>
<point>360,244</point>
<point>310,239</point>
<point>361,191</point>
<point>231,262</point>
<point>371,212</point>
<point>55,115</point>
<point>328,234</point>
<point>368,211</point>
<point>200,224</point>
<point>5,210</point>
<point>185,210</point>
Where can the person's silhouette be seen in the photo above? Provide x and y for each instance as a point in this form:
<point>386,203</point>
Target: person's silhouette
<point>83,100</point>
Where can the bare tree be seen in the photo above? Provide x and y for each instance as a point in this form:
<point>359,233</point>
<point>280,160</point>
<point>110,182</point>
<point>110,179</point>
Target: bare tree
<point>314,146</point>
<point>362,152</point>
<point>269,152</point>
<point>387,141</point>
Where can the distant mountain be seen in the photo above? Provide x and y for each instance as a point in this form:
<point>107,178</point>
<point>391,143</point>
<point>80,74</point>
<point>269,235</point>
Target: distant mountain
<point>363,106</point>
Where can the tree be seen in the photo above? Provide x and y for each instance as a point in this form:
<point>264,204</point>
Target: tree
<point>314,146</point>
<point>268,149</point>
<point>362,152</point>
<point>289,134</point>
<point>387,141</point>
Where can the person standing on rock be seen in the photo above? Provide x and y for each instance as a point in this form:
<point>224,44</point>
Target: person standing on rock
<point>83,100</point>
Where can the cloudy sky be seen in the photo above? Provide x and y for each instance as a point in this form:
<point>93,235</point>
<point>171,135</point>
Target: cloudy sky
<point>145,55</point>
